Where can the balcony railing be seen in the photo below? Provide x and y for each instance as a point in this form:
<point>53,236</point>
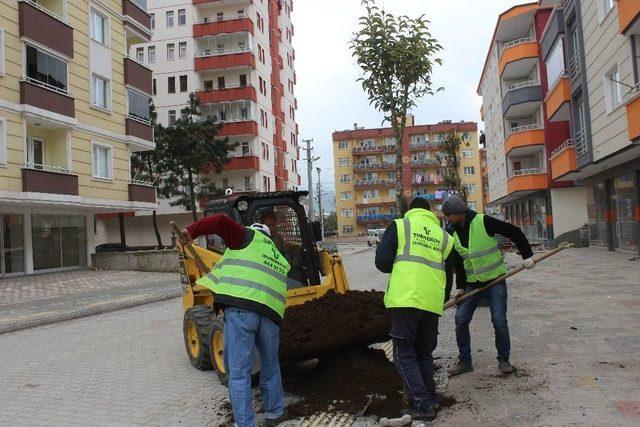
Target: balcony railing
<point>423,145</point>
<point>425,162</point>
<point>220,52</point>
<point>580,143</point>
<point>530,171</point>
<point>377,217</point>
<point>525,128</point>
<point>373,148</point>
<point>519,85</point>
<point>516,42</point>
<point>48,168</point>
<point>375,182</point>
<point>632,93</point>
<point>574,66</point>
<point>564,146</point>
<point>210,19</point>
<point>382,165</point>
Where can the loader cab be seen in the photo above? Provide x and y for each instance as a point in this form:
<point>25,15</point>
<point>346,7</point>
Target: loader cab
<point>290,229</point>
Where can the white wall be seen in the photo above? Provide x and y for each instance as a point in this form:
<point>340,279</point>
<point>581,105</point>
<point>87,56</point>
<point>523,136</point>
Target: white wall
<point>569,209</point>
<point>139,230</point>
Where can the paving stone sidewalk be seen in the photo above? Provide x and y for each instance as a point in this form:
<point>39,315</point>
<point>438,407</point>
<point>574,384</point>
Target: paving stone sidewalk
<point>39,299</point>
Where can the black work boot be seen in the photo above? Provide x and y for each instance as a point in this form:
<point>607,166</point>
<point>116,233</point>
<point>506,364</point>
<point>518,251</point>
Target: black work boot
<point>274,422</point>
<point>460,368</point>
<point>426,414</point>
<point>505,367</point>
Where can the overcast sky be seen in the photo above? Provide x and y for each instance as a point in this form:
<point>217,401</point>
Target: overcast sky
<point>329,98</point>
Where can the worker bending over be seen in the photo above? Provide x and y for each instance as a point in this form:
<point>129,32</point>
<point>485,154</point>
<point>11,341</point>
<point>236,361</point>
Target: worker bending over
<point>477,261</point>
<point>249,284</point>
<point>413,250</point>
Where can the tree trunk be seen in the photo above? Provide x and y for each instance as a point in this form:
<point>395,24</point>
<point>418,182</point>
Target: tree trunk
<point>400,201</point>
<point>192,197</point>
<point>123,237</point>
<point>155,228</point>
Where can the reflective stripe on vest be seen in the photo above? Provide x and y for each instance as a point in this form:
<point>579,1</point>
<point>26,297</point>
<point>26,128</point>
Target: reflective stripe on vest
<point>418,275</point>
<point>256,273</point>
<point>483,259</point>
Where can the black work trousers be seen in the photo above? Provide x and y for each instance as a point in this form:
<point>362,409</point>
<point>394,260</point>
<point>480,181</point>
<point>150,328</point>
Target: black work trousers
<point>415,336</point>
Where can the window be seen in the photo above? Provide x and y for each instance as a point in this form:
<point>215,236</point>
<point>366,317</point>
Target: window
<point>344,179</point>
<point>98,27</point>
<point>467,154</point>
<point>182,50</point>
<point>243,80</point>
<point>343,145</point>
<point>1,51</point>
<point>138,106</point>
<point>171,117</point>
<point>247,183</point>
<point>346,195</point>
<point>208,85</point>
<point>102,160</point>
<point>46,69</point>
<point>347,229</point>
<point>99,91</point>
<point>3,141</point>
<point>170,18</point>
<point>153,20</point>
<point>183,83</point>
<point>171,51</point>
<point>35,153</point>
<point>155,88</point>
<point>347,213</point>
<point>343,161</point>
<point>140,54</point>
<point>469,170</point>
<point>151,54</point>
<point>171,84</point>
<point>604,7</point>
<point>612,89</point>
<point>182,17</point>
<point>555,62</point>
<point>240,13</point>
<point>245,148</point>
<point>221,83</point>
<point>220,16</point>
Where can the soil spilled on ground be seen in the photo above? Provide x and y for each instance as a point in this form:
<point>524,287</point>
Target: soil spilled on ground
<point>348,381</point>
<point>334,322</point>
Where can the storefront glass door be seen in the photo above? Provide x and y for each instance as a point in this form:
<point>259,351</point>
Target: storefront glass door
<point>623,210</point>
<point>11,245</point>
<point>59,241</point>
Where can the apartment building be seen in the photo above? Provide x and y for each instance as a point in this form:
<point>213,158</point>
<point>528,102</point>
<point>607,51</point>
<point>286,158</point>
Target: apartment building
<point>592,52</point>
<point>365,172</point>
<point>73,109</point>
<point>520,130</point>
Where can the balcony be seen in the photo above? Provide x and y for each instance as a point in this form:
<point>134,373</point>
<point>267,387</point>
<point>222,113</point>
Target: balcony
<point>373,149</point>
<point>422,163</point>
<point>633,112</point>
<point>629,17</point>
<point>522,99</point>
<point>523,138</point>
<point>374,166</point>
<point>138,128</point>
<point>563,160</point>
<point>45,27</point>
<point>248,127</point>
<point>574,67</point>
<point>49,179</point>
<point>376,217</point>
<point>142,192</point>
<point>249,161</point>
<point>518,58</point>
<point>418,146</point>
<point>372,183</point>
<point>558,101</point>
<point>227,94</point>
<point>46,97</point>
<point>214,28</point>
<point>363,203</point>
<point>135,16</point>
<point>527,180</point>
<point>137,75</point>
<point>221,2</point>
<point>225,59</point>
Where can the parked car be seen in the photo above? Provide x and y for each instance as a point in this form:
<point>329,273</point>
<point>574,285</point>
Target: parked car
<point>375,236</point>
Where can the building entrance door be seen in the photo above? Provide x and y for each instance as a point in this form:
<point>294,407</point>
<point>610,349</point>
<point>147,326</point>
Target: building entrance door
<point>11,245</point>
<point>624,221</point>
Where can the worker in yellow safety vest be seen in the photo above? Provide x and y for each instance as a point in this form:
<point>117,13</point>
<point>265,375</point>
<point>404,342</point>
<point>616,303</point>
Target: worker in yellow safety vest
<point>250,284</point>
<point>414,250</point>
<point>477,260</point>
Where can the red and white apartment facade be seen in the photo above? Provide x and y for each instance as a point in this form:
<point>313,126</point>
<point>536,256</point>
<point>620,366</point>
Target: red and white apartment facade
<point>237,56</point>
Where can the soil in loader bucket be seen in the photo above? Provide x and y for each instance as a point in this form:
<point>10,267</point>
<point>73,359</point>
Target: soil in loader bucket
<point>332,323</point>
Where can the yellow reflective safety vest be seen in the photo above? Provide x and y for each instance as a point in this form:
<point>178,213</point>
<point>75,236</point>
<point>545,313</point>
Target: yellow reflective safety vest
<point>418,277</point>
<point>483,260</point>
<point>257,273</point>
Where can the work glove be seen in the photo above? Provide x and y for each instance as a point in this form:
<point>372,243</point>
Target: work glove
<point>186,237</point>
<point>458,293</point>
<point>528,263</point>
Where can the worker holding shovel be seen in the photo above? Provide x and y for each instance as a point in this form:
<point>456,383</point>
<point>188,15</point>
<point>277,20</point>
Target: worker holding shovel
<point>477,261</point>
<point>413,250</point>
<point>249,283</point>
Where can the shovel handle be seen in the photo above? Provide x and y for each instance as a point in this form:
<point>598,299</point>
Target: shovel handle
<point>508,274</point>
<point>189,248</point>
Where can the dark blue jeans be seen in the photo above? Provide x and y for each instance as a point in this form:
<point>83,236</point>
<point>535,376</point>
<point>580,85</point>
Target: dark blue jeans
<point>415,336</point>
<point>497,296</point>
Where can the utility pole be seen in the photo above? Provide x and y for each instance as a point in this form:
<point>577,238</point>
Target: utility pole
<point>320,205</point>
<point>310,159</point>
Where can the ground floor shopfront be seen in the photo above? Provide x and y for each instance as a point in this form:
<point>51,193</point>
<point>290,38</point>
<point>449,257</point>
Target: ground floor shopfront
<point>38,242</point>
<point>613,205</point>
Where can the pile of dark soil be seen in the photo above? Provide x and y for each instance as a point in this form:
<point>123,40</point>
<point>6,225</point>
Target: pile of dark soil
<point>349,381</point>
<point>334,322</point>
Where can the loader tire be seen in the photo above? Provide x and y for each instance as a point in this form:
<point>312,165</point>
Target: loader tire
<point>216,344</point>
<point>196,330</point>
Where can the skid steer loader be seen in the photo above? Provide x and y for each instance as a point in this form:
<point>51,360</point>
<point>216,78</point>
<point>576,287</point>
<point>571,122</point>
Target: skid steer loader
<point>314,272</point>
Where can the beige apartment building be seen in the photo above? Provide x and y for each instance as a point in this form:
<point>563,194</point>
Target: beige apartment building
<point>365,172</point>
<point>73,108</point>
